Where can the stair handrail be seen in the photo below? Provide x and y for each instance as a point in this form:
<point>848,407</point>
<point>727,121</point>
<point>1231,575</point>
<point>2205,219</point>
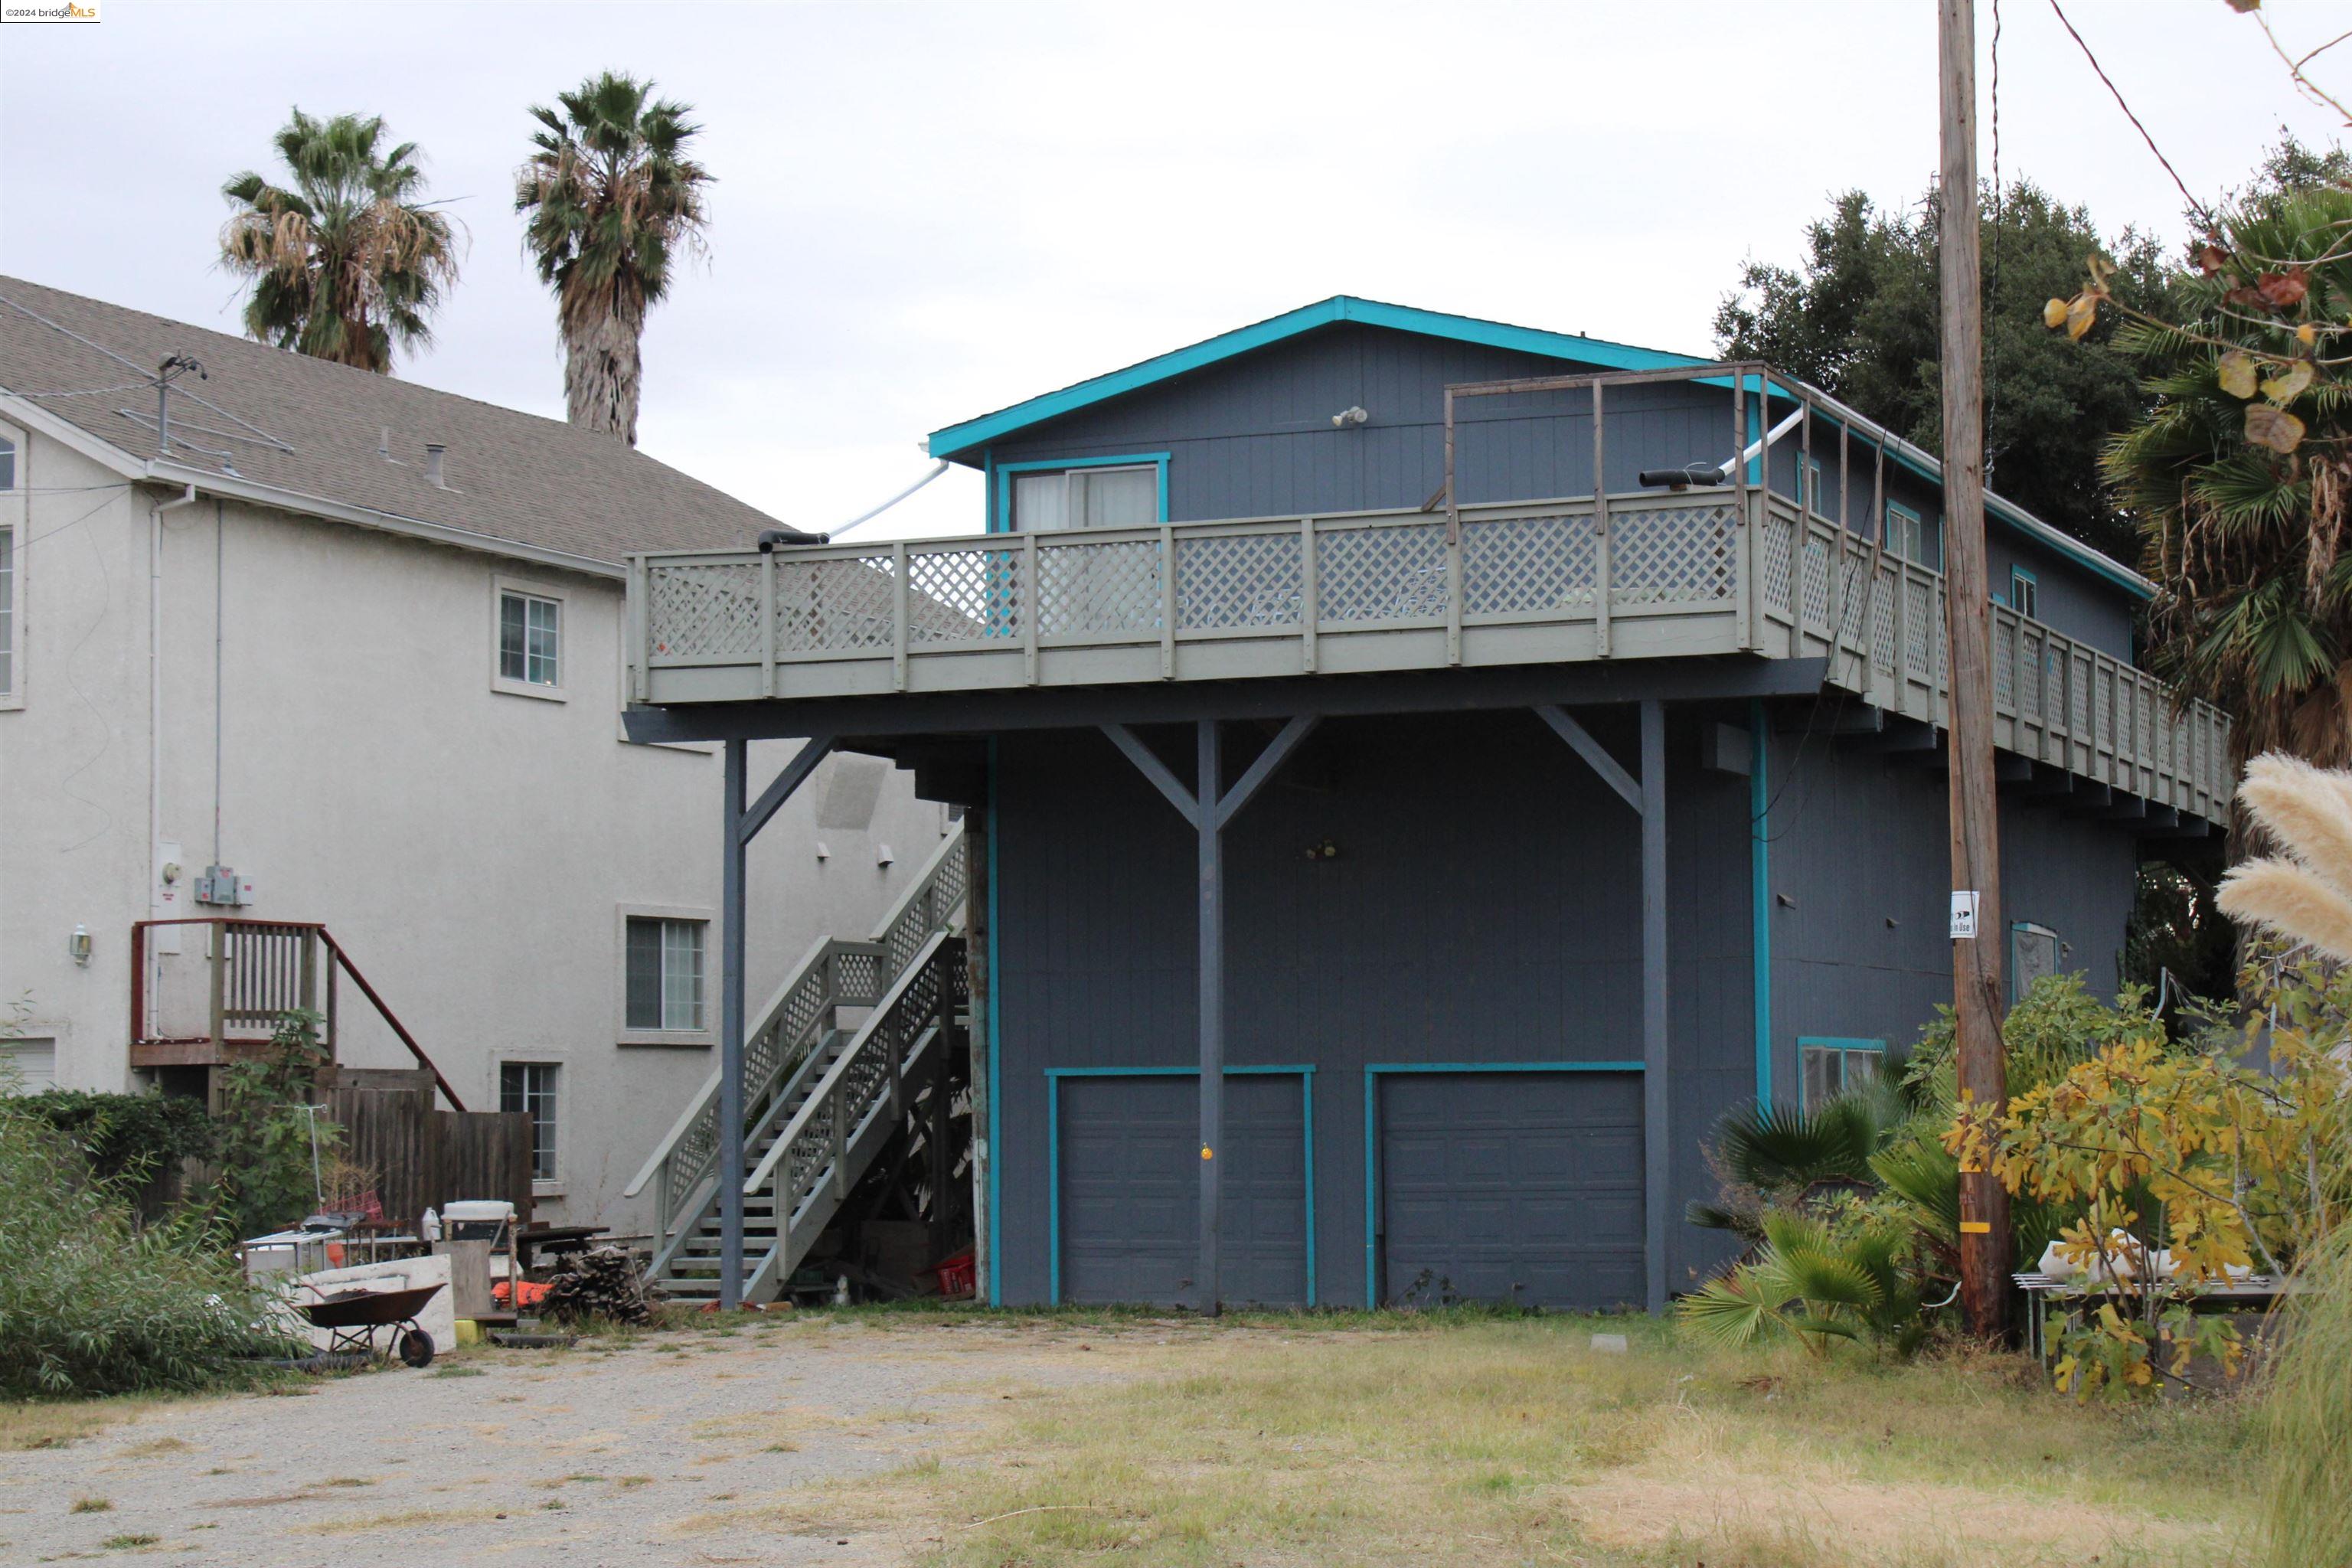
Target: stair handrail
<point>934,894</point>
<point>883,1029</point>
<point>222,956</point>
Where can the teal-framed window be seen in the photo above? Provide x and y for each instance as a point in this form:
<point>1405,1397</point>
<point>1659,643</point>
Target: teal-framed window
<point>1809,485</point>
<point>1909,536</point>
<point>2024,593</point>
<point>1829,1065</point>
<point>2034,952</point>
<point>1127,491</point>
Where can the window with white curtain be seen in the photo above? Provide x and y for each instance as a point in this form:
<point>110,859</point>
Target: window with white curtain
<point>1122,496</point>
<point>665,975</point>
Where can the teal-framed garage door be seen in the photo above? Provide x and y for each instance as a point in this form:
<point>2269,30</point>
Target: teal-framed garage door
<point>1505,1184</point>
<point>1125,1182</point>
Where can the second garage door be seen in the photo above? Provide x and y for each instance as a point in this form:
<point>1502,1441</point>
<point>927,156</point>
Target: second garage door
<point>1130,1212</point>
<point>1511,1186</point>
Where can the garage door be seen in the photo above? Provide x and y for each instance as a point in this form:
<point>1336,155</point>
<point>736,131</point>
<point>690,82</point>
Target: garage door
<point>1512,1186</point>
<point>1129,1186</point>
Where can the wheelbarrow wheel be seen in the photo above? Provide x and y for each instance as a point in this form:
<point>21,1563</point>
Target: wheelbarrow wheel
<point>417,1347</point>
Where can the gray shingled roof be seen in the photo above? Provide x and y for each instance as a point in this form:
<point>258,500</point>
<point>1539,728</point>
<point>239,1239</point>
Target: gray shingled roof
<point>512,476</point>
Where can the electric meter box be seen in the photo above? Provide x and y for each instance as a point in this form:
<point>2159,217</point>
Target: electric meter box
<point>222,887</point>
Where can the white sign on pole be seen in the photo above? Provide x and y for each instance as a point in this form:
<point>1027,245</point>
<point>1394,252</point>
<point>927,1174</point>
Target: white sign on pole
<point>1964,916</point>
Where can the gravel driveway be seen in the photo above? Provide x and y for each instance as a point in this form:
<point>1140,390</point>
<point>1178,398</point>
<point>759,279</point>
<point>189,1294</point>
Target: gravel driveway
<point>680,1447</point>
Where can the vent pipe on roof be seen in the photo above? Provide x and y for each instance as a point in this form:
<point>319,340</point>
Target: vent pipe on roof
<point>434,452</point>
<point>384,444</point>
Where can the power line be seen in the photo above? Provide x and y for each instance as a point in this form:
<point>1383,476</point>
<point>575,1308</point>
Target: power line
<point>2194,205</point>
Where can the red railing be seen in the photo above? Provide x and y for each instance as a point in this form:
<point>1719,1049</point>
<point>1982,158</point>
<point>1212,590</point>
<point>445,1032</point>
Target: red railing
<point>256,972</point>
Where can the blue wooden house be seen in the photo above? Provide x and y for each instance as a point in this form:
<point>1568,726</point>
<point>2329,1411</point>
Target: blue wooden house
<point>1421,772</point>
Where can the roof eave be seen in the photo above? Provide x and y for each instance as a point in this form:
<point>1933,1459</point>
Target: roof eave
<point>958,442</point>
<point>211,481</point>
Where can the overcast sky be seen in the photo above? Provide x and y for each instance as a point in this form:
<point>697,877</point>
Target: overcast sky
<point>927,212</point>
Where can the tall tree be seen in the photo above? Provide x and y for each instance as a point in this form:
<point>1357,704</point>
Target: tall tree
<point>2240,475</point>
<point>1857,318</point>
<point>347,261</point>
<point>612,197</point>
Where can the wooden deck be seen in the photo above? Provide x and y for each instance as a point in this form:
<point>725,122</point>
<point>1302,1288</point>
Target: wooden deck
<point>1729,571</point>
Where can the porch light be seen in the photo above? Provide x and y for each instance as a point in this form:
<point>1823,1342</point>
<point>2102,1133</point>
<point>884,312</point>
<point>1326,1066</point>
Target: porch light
<point>77,945</point>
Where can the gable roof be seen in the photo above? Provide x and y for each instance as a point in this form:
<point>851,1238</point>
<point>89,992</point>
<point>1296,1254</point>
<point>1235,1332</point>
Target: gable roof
<point>959,441</point>
<point>303,434</point>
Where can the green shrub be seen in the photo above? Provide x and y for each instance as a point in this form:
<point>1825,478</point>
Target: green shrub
<point>126,1136</point>
<point>2308,1410</point>
<point>90,1301</point>
<point>271,1149</point>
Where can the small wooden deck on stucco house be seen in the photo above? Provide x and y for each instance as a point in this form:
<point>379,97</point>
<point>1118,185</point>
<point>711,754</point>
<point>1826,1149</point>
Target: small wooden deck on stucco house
<point>1400,823</point>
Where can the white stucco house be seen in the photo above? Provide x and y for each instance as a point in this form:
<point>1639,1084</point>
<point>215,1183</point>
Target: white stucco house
<point>360,641</point>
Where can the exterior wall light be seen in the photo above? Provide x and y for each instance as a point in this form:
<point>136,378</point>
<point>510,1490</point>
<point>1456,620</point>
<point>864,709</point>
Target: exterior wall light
<point>77,945</point>
<point>1350,418</point>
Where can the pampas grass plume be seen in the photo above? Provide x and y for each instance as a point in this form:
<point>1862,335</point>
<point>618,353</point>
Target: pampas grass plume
<point>2307,810</point>
<point>2292,899</point>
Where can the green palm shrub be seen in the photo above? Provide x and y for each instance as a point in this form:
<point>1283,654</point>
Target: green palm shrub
<point>1818,1282</point>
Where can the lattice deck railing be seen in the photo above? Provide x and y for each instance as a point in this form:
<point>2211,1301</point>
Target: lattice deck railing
<point>836,973</point>
<point>1723,571</point>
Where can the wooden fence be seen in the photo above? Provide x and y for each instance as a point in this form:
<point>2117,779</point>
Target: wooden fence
<point>421,1158</point>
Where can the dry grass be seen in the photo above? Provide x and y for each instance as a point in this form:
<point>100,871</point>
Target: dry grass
<point>1505,1442</point>
<point>405,1518</point>
<point>44,1424</point>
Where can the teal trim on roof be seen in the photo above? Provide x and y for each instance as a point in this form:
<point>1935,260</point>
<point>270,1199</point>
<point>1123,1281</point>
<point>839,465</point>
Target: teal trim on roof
<point>956,440</point>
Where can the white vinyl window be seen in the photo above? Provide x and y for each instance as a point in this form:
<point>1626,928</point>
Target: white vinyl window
<point>1831,1067</point>
<point>665,975</point>
<point>1107,497</point>
<point>1908,536</point>
<point>1809,485</point>
<point>530,1088</point>
<point>527,639</point>
<point>2024,593</point>
<point>530,630</point>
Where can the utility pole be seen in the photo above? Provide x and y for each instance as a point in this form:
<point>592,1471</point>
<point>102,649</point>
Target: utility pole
<point>1967,614</point>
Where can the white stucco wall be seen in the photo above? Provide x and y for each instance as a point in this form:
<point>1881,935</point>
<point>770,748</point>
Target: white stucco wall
<point>473,850</point>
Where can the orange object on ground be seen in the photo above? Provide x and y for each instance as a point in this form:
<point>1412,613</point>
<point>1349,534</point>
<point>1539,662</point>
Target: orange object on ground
<point>528,1293</point>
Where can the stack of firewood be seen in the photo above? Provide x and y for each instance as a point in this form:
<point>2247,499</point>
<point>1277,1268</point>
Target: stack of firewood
<point>603,1282</point>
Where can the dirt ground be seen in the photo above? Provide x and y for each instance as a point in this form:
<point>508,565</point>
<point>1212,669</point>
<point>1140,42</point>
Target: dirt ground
<point>593,1458</point>
<point>987,1441</point>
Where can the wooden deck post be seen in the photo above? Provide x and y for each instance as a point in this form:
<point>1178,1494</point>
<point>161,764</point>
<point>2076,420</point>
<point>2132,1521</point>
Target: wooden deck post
<point>733,853</point>
<point>741,823</point>
<point>1208,792</point>
<point>1209,806</point>
<point>1655,1098</point>
<point>1647,796</point>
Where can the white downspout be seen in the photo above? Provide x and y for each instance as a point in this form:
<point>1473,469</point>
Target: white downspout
<point>155,710</point>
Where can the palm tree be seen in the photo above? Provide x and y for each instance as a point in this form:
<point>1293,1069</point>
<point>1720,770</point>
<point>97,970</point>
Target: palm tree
<point>2241,478</point>
<point>346,263</point>
<point>612,197</point>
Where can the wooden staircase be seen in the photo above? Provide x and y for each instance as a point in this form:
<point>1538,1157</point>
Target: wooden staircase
<point>825,1094</point>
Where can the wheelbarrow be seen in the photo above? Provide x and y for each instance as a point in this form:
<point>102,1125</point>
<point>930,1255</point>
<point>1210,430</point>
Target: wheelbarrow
<point>352,1317</point>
